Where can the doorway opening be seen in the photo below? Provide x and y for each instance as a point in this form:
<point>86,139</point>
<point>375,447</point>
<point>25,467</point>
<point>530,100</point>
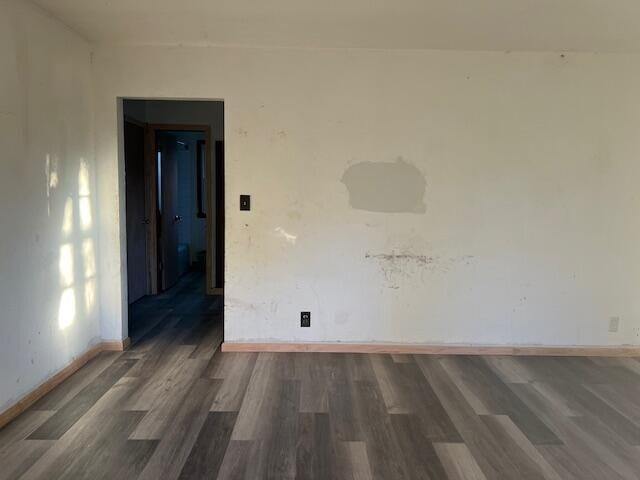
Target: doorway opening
<point>174,177</point>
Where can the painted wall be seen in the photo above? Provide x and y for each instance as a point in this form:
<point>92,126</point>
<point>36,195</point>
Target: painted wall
<point>48,242</point>
<point>508,200</point>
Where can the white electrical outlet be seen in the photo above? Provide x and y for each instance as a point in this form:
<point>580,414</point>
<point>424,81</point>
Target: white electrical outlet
<point>614,324</point>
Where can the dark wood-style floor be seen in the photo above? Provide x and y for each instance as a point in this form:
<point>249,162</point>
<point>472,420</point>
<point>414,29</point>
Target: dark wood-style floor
<point>172,407</point>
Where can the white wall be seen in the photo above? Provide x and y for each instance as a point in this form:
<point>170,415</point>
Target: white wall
<point>48,294</point>
<point>530,232</point>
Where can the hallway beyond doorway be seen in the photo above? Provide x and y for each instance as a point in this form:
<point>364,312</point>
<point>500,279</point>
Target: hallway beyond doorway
<point>185,304</point>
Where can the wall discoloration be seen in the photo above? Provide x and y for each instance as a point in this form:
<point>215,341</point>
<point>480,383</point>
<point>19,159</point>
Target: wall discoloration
<point>294,215</point>
<point>393,257</point>
<point>496,188</point>
<point>406,265</point>
<point>387,187</point>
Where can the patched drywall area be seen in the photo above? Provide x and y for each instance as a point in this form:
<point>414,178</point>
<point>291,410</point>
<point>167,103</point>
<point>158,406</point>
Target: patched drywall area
<point>49,291</point>
<point>387,187</point>
<point>511,218</point>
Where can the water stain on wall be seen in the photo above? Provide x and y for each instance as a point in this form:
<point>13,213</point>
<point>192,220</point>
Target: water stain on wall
<point>387,187</point>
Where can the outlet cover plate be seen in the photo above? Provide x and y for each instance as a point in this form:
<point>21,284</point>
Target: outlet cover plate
<point>614,324</point>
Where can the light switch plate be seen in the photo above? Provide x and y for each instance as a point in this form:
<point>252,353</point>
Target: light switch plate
<point>245,202</point>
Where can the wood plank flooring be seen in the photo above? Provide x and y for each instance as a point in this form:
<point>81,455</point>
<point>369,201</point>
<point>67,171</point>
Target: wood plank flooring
<point>174,407</point>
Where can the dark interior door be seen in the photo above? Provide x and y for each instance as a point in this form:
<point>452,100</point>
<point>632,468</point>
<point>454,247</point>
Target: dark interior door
<point>136,211</point>
<point>169,217</point>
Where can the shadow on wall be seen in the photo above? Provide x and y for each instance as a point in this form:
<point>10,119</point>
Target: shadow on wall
<point>77,251</point>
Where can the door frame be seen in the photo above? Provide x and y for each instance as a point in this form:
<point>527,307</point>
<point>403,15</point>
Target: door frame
<point>152,201</point>
<point>127,119</point>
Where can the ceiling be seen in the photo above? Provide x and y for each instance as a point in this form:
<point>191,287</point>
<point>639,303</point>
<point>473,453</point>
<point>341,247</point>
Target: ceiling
<point>530,25</point>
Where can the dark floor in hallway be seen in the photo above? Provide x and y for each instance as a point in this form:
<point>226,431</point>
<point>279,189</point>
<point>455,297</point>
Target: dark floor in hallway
<point>187,299</point>
<point>169,408</point>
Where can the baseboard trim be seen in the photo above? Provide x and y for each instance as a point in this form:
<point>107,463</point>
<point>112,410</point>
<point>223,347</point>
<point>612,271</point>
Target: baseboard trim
<point>116,346</point>
<point>41,390</point>
<point>421,349</point>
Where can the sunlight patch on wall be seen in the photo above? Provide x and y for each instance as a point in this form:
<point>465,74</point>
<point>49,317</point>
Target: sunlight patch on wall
<point>89,295</point>
<point>84,202</point>
<point>51,178</point>
<point>67,217</point>
<point>67,310</point>
<point>84,205</point>
<point>65,265</point>
<point>83,179</point>
<point>88,258</point>
<point>51,172</point>
<point>78,252</point>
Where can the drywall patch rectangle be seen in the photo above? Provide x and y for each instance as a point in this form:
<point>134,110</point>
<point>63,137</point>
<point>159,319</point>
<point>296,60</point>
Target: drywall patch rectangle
<point>386,187</point>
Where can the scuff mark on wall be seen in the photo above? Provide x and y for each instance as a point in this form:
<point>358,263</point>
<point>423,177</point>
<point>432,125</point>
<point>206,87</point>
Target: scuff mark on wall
<point>421,259</point>
<point>236,303</point>
<point>386,187</point>
<point>274,306</point>
<point>396,266</point>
